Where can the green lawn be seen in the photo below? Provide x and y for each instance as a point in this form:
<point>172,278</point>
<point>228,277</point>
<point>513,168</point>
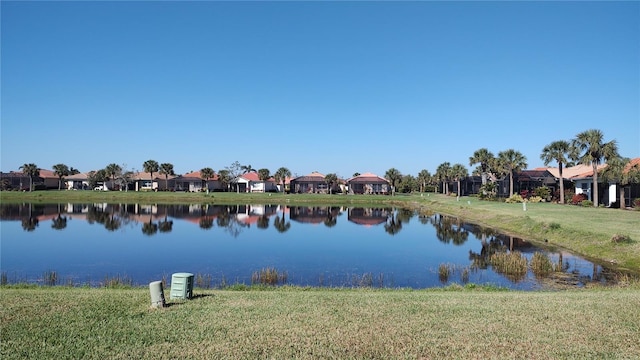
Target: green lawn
<point>283,323</point>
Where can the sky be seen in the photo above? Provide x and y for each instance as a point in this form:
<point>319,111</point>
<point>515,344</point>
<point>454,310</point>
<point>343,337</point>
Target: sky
<point>334,87</point>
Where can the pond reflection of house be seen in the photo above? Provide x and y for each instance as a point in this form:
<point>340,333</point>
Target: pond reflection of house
<point>313,215</point>
<point>368,183</point>
<point>368,216</point>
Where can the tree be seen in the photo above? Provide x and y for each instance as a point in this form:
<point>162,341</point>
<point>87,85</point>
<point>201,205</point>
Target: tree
<point>112,170</point>
<point>166,169</point>
<point>151,166</point>
<point>281,176</point>
<point>620,171</point>
<point>557,151</point>
<point>331,180</point>
<point>589,148</point>
<point>73,171</point>
<point>31,170</point>
<point>355,174</point>
<point>264,174</point>
<point>247,169</point>
<point>484,158</point>
<point>235,170</point>
<point>511,161</point>
<point>459,172</point>
<point>424,177</point>
<point>224,178</point>
<point>94,177</point>
<point>206,174</point>
<point>60,170</point>
<point>443,172</point>
<point>393,175</point>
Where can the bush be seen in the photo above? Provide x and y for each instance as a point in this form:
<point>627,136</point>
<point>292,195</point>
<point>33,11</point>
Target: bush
<point>636,203</point>
<point>578,199</point>
<point>619,239</point>
<point>586,203</point>
<point>536,199</point>
<point>515,198</point>
<point>543,192</point>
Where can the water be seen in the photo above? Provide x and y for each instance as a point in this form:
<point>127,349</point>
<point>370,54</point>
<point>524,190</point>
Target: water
<point>314,246</point>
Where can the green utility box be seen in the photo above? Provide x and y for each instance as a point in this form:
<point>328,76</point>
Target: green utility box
<point>181,286</point>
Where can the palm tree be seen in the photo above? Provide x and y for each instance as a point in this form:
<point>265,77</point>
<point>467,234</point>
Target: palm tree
<point>60,170</point>
<point>393,175</point>
<point>443,172</point>
<point>511,161</point>
<point>73,171</point>
<point>331,179</point>
<point>589,148</point>
<point>484,158</point>
<point>459,172</point>
<point>206,174</point>
<point>166,169</point>
<point>113,170</point>
<point>225,178</point>
<point>247,168</point>
<point>557,151</point>
<point>424,177</point>
<point>355,174</point>
<point>281,176</point>
<point>620,171</point>
<point>32,171</point>
<point>151,166</point>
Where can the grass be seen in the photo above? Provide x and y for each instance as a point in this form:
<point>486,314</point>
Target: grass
<point>303,323</point>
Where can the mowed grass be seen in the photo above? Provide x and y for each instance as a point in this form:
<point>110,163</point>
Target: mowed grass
<point>587,231</point>
<point>284,323</point>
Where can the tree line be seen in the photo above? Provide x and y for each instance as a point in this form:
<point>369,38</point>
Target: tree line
<point>587,148</point>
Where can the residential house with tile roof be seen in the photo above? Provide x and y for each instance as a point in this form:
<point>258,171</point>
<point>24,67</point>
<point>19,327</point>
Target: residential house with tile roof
<point>368,183</point>
<point>313,183</point>
<point>193,182</point>
<point>251,182</point>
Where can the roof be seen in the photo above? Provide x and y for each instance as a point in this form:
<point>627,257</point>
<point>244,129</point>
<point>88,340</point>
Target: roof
<point>368,178</point>
<point>633,162</point>
<point>314,176</point>
<point>197,175</point>
<point>573,172</point>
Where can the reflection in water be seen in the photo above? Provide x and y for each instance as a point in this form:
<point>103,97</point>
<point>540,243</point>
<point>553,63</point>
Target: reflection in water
<point>466,249</point>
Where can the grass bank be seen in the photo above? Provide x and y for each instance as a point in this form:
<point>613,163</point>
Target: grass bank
<point>95,323</point>
<point>585,231</point>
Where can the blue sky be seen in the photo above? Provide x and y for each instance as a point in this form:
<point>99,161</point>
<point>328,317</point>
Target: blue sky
<point>335,87</point>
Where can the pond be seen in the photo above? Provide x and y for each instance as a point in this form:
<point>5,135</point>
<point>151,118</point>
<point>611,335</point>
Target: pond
<point>97,244</point>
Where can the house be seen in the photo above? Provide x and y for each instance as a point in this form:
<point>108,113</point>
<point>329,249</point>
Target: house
<point>368,183</point>
<point>313,183</point>
<point>78,181</point>
<point>250,182</point>
<point>18,180</point>
<point>193,182</point>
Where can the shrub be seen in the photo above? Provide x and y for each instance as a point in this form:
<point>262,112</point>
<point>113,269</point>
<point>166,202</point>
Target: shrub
<point>578,199</point>
<point>619,239</point>
<point>515,198</point>
<point>586,203</point>
<point>543,192</point>
<point>636,203</point>
<point>536,199</point>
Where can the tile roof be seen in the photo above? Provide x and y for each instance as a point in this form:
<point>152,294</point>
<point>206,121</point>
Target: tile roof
<point>367,177</point>
<point>196,175</point>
